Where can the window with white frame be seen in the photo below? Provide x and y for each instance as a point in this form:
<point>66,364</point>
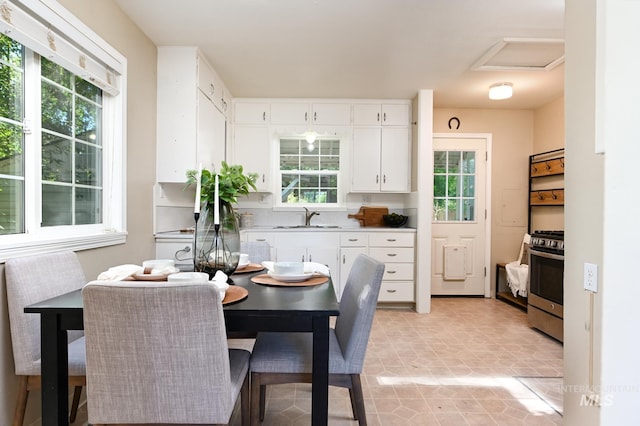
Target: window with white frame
<point>309,172</point>
<point>61,133</point>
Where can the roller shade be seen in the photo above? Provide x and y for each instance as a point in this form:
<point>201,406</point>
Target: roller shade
<point>40,26</point>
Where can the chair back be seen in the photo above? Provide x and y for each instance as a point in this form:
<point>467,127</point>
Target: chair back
<point>156,353</point>
<point>357,307</point>
<point>32,279</point>
<point>258,251</point>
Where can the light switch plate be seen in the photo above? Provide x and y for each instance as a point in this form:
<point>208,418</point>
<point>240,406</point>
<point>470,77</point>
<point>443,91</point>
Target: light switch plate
<point>591,277</point>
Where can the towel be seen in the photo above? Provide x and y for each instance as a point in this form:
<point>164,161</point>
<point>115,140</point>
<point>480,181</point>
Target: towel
<point>309,268</point>
<point>517,277</point>
<point>120,272</point>
<point>219,280</point>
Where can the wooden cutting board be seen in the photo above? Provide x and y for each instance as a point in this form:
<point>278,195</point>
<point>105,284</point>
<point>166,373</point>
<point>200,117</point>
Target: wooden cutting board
<point>370,215</point>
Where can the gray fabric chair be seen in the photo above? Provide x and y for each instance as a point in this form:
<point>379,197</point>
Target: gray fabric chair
<point>32,279</point>
<point>287,357</point>
<point>258,251</point>
<point>171,338</point>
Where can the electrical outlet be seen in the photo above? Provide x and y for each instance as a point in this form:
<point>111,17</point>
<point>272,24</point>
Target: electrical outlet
<point>366,200</point>
<point>591,277</point>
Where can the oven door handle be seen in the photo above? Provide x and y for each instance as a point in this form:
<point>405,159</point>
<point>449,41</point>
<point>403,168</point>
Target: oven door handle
<point>547,255</point>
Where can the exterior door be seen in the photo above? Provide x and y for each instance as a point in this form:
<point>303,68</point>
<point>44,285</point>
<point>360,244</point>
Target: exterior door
<point>459,210</point>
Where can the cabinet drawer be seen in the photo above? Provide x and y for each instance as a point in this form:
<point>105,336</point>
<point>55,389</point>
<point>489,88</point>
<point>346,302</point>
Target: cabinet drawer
<point>261,236</point>
<point>391,239</point>
<point>396,291</point>
<point>398,271</point>
<point>392,254</point>
<point>353,239</point>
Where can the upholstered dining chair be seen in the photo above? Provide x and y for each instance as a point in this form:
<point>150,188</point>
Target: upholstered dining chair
<point>258,251</point>
<point>171,337</point>
<point>32,279</point>
<point>287,357</point>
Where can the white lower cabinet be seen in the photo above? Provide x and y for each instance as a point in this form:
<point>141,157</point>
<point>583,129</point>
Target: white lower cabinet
<point>352,244</point>
<point>396,250</point>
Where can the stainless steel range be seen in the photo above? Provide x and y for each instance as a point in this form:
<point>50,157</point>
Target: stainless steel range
<point>546,282</point>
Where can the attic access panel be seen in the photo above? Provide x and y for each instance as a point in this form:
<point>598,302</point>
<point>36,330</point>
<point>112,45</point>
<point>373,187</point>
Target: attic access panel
<point>522,54</point>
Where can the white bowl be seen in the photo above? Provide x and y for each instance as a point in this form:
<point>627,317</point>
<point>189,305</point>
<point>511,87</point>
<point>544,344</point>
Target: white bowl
<point>199,277</point>
<point>244,261</point>
<point>288,268</point>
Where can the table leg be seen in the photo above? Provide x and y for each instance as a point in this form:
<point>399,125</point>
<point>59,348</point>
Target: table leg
<point>320,375</point>
<point>54,370</point>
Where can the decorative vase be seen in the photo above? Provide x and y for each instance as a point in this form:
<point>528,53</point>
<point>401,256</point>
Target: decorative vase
<point>217,250</point>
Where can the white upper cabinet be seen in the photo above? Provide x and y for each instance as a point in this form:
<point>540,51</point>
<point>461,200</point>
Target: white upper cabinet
<point>375,114</point>
<point>252,149</point>
<point>300,113</point>
<point>251,113</point>
<point>191,130</point>
<point>381,159</point>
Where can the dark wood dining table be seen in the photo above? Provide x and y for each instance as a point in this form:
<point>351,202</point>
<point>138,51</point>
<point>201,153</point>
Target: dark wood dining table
<point>266,308</point>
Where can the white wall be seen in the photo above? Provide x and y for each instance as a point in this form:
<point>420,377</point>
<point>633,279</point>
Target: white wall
<point>601,93</point>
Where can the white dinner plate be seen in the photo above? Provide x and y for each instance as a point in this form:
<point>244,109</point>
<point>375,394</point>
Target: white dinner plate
<point>291,278</point>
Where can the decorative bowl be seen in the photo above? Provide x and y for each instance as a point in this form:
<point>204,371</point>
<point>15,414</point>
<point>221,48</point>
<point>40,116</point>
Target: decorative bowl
<point>395,220</point>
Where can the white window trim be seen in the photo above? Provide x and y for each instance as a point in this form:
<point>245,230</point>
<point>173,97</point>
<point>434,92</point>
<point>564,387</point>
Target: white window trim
<point>113,230</point>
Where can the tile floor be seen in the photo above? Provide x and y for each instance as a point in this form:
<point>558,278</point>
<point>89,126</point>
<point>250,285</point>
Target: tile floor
<point>471,361</point>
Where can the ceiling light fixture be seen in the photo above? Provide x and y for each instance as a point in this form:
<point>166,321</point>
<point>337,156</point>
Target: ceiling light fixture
<point>310,136</point>
<point>501,91</point>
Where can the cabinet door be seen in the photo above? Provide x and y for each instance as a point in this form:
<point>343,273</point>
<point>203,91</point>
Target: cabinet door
<point>347,257</point>
<point>251,113</point>
<point>367,114</point>
<point>395,166</point>
<point>395,115</point>
<point>206,79</point>
<point>211,148</point>
<point>289,113</point>
<point>332,114</point>
<point>365,161</point>
<point>252,149</point>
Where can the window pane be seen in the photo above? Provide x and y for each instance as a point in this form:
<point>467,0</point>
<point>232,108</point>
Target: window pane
<point>11,79</point>
<point>57,163</point>
<point>452,210</point>
<point>452,186</point>
<point>88,202</point>
<point>55,73</point>
<point>329,147</point>
<point>468,186</point>
<point>439,186</point>
<point>11,148</point>
<point>454,162</point>
<point>469,210</point>
<point>469,162</point>
<point>88,165</point>
<point>11,202</point>
<point>309,163</point>
<point>439,161</point>
<point>439,212</point>
<point>88,90</point>
<point>57,203</point>
<point>330,163</point>
<point>56,109</point>
<point>87,121</point>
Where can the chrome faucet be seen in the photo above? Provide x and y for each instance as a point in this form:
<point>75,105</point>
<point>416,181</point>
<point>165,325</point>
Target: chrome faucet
<point>308,215</point>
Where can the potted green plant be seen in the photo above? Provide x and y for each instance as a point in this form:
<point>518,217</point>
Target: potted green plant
<point>232,182</point>
<point>217,237</point>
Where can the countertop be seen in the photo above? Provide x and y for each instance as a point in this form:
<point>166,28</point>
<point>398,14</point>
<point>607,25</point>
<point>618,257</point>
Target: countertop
<point>180,235</point>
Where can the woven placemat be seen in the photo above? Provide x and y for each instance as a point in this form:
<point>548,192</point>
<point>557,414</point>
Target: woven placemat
<point>252,267</point>
<point>235,294</point>
<point>266,279</point>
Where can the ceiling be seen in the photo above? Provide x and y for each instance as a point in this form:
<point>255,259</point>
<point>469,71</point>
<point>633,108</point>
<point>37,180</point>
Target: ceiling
<point>380,49</point>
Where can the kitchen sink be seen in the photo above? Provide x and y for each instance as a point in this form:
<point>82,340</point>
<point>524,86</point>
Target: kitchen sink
<point>306,226</point>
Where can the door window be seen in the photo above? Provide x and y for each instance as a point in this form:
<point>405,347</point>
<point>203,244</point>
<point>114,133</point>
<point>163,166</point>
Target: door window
<point>454,186</point>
